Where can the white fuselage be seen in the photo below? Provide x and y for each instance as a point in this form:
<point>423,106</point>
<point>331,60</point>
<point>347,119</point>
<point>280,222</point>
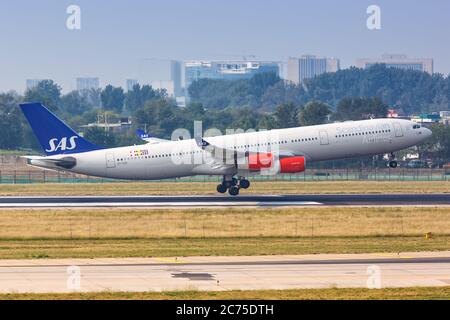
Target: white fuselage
<point>185,158</point>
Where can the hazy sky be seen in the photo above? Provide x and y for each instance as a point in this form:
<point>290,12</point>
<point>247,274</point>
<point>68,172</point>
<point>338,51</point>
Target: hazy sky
<point>117,36</point>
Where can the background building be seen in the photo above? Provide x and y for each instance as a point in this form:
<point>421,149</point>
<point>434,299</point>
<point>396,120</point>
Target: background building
<point>399,61</point>
<point>309,66</point>
<point>109,123</point>
<point>130,83</point>
<point>426,118</point>
<point>31,83</point>
<point>162,74</point>
<point>227,70</point>
<point>85,84</point>
<point>175,77</point>
<point>167,85</point>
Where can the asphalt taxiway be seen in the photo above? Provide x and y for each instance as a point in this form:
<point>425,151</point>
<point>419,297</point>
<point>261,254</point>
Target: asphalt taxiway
<point>228,201</point>
<point>225,273</point>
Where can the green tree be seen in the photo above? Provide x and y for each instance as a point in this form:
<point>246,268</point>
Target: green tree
<point>412,91</point>
<point>221,94</point>
<point>11,122</point>
<point>267,122</point>
<point>113,98</point>
<point>286,115</point>
<point>160,117</point>
<point>360,108</point>
<point>259,83</point>
<point>100,137</point>
<point>138,96</point>
<point>46,92</point>
<point>92,97</point>
<point>438,146</point>
<point>195,110</point>
<point>74,103</point>
<point>313,113</point>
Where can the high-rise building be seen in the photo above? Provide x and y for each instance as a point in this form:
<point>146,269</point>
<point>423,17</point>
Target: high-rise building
<point>84,84</point>
<point>162,74</point>
<point>399,61</point>
<point>175,77</point>
<point>164,85</point>
<point>309,66</point>
<point>31,83</point>
<point>228,70</point>
<point>131,83</point>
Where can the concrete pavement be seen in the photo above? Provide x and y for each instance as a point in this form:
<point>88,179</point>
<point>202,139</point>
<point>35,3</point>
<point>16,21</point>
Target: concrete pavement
<point>225,273</point>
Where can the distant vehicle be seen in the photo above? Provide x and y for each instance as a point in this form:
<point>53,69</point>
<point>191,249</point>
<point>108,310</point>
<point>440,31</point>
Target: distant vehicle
<point>415,164</point>
<point>232,156</point>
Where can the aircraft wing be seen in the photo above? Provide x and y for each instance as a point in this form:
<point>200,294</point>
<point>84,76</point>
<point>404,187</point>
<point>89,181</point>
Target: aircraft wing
<point>219,153</point>
<point>227,155</point>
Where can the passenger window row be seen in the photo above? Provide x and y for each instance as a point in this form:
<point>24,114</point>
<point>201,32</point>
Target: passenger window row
<point>236,147</point>
<point>157,156</point>
<point>305,139</point>
<point>361,133</point>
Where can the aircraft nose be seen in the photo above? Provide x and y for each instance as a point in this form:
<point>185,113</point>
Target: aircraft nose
<point>427,132</point>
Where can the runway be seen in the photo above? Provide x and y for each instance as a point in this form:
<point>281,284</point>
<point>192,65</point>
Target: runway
<point>225,273</point>
<point>228,201</point>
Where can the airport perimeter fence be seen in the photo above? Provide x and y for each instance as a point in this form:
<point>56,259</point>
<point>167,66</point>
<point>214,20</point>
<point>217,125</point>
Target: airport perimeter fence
<point>24,176</point>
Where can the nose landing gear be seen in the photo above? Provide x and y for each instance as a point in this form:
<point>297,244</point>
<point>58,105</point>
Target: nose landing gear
<point>392,162</point>
<point>233,185</point>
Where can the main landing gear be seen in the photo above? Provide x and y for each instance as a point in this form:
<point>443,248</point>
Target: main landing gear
<point>233,185</point>
<point>392,162</point>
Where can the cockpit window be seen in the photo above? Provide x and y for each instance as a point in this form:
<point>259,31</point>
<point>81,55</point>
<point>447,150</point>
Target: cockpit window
<point>416,126</point>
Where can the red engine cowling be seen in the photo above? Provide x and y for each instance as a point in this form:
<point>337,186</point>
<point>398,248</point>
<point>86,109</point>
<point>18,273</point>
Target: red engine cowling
<point>266,161</point>
<point>292,165</point>
<point>259,161</point>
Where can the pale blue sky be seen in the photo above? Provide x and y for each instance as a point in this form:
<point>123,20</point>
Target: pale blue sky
<point>117,35</point>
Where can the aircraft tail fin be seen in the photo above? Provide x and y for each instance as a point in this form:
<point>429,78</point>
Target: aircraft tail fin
<point>54,136</point>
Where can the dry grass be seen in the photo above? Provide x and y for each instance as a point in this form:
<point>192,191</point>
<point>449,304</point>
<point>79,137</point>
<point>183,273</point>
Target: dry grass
<point>202,188</point>
<point>72,233</point>
<point>425,293</point>
<point>217,223</point>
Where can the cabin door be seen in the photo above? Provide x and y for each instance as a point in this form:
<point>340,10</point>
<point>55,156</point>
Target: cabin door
<point>398,130</point>
<point>110,160</point>
<point>324,138</point>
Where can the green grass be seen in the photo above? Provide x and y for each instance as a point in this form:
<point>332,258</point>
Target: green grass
<point>417,293</point>
<point>180,247</point>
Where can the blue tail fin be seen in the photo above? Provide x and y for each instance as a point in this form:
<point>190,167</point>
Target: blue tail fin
<point>141,134</point>
<point>54,135</point>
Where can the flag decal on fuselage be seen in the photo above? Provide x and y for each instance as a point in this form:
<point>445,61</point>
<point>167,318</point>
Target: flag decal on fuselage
<point>138,153</point>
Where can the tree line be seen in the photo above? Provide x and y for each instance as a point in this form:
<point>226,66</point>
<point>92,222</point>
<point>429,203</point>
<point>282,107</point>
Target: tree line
<point>411,91</point>
<point>158,114</point>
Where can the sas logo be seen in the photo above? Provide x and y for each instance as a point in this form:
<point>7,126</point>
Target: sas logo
<point>62,144</point>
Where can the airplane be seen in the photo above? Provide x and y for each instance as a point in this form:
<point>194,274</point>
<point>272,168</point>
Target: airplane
<point>235,157</point>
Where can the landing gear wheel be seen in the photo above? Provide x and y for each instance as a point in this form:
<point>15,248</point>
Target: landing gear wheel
<point>393,164</point>
<point>233,191</point>
<point>244,184</point>
<point>221,188</point>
